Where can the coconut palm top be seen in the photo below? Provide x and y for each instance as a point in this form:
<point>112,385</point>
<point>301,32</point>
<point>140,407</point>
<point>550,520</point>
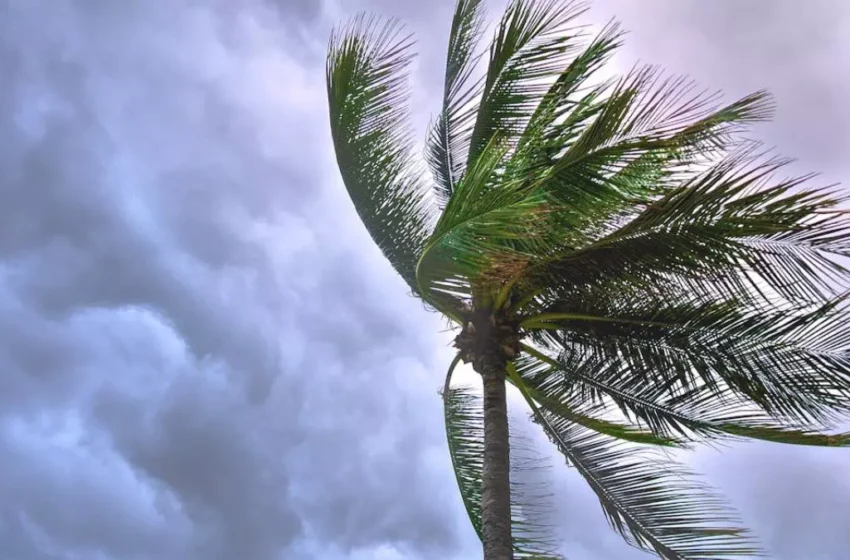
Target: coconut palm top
<point>612,246</point>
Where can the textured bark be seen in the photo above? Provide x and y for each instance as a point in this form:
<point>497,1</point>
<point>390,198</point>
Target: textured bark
<point>496,489</point>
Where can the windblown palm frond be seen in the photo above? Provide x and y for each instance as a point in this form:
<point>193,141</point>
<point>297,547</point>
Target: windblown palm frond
<point>793,364</point>
<point>653,502</point>
<point>597,386</point>
<point>533,42</point>
<point>464,416</point>
<point>728,227</point>
<point>636,266</point>
<point>367,94</point>
<point>448,143</point>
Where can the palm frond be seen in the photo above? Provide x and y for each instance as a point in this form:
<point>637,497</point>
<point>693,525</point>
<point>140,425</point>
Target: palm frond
<point>793,363</point>
<point>367,96</point>
<point>448,142</point>
<point>464,417</point>
<point>654,503</point>
<point>574,411</point>
<point>730,227</point>
<point>588,382</point>
<point>624,149</point>
<point>562,112</point>
<point>532,45</point>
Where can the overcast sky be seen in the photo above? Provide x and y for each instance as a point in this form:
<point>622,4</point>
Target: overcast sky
<point>202,356</point>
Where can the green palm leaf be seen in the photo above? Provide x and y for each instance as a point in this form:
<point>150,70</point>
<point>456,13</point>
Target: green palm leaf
<point>793,364</point>
<point>576,412</point>
<point>587,382</point>
<point>652,502</point>
<point>727,226</point>
<point>614,152</point>
<point>367,96</point>
<point>464,418</point>
<point>448,143</point>
<point>533,42</point>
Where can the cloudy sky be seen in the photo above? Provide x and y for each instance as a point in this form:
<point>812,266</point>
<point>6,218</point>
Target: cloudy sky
<point>201,353</point>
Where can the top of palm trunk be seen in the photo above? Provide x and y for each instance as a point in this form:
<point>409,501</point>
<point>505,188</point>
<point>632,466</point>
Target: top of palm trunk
<point>488,340</point>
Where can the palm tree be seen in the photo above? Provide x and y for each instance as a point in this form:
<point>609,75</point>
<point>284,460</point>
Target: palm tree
<point>615,249</point>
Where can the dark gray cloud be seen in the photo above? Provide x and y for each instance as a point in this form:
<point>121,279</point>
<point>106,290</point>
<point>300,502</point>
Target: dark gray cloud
<point>201,353</point>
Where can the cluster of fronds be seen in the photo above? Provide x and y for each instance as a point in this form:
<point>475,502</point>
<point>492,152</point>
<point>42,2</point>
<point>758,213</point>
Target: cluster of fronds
<point>659,265</point>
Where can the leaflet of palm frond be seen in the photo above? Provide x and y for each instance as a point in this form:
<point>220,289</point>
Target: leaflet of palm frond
<point>367,96</point>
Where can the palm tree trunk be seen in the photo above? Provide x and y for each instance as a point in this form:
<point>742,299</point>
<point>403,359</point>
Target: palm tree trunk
<point>495,488</point>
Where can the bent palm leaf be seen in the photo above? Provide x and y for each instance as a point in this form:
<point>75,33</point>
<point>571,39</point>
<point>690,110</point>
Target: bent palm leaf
<point>601,387</point>
<point>464,418</point>
<point>651,501</point>
<point>448,143</point>
<point>367,94</point>
<point>793,364</point>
